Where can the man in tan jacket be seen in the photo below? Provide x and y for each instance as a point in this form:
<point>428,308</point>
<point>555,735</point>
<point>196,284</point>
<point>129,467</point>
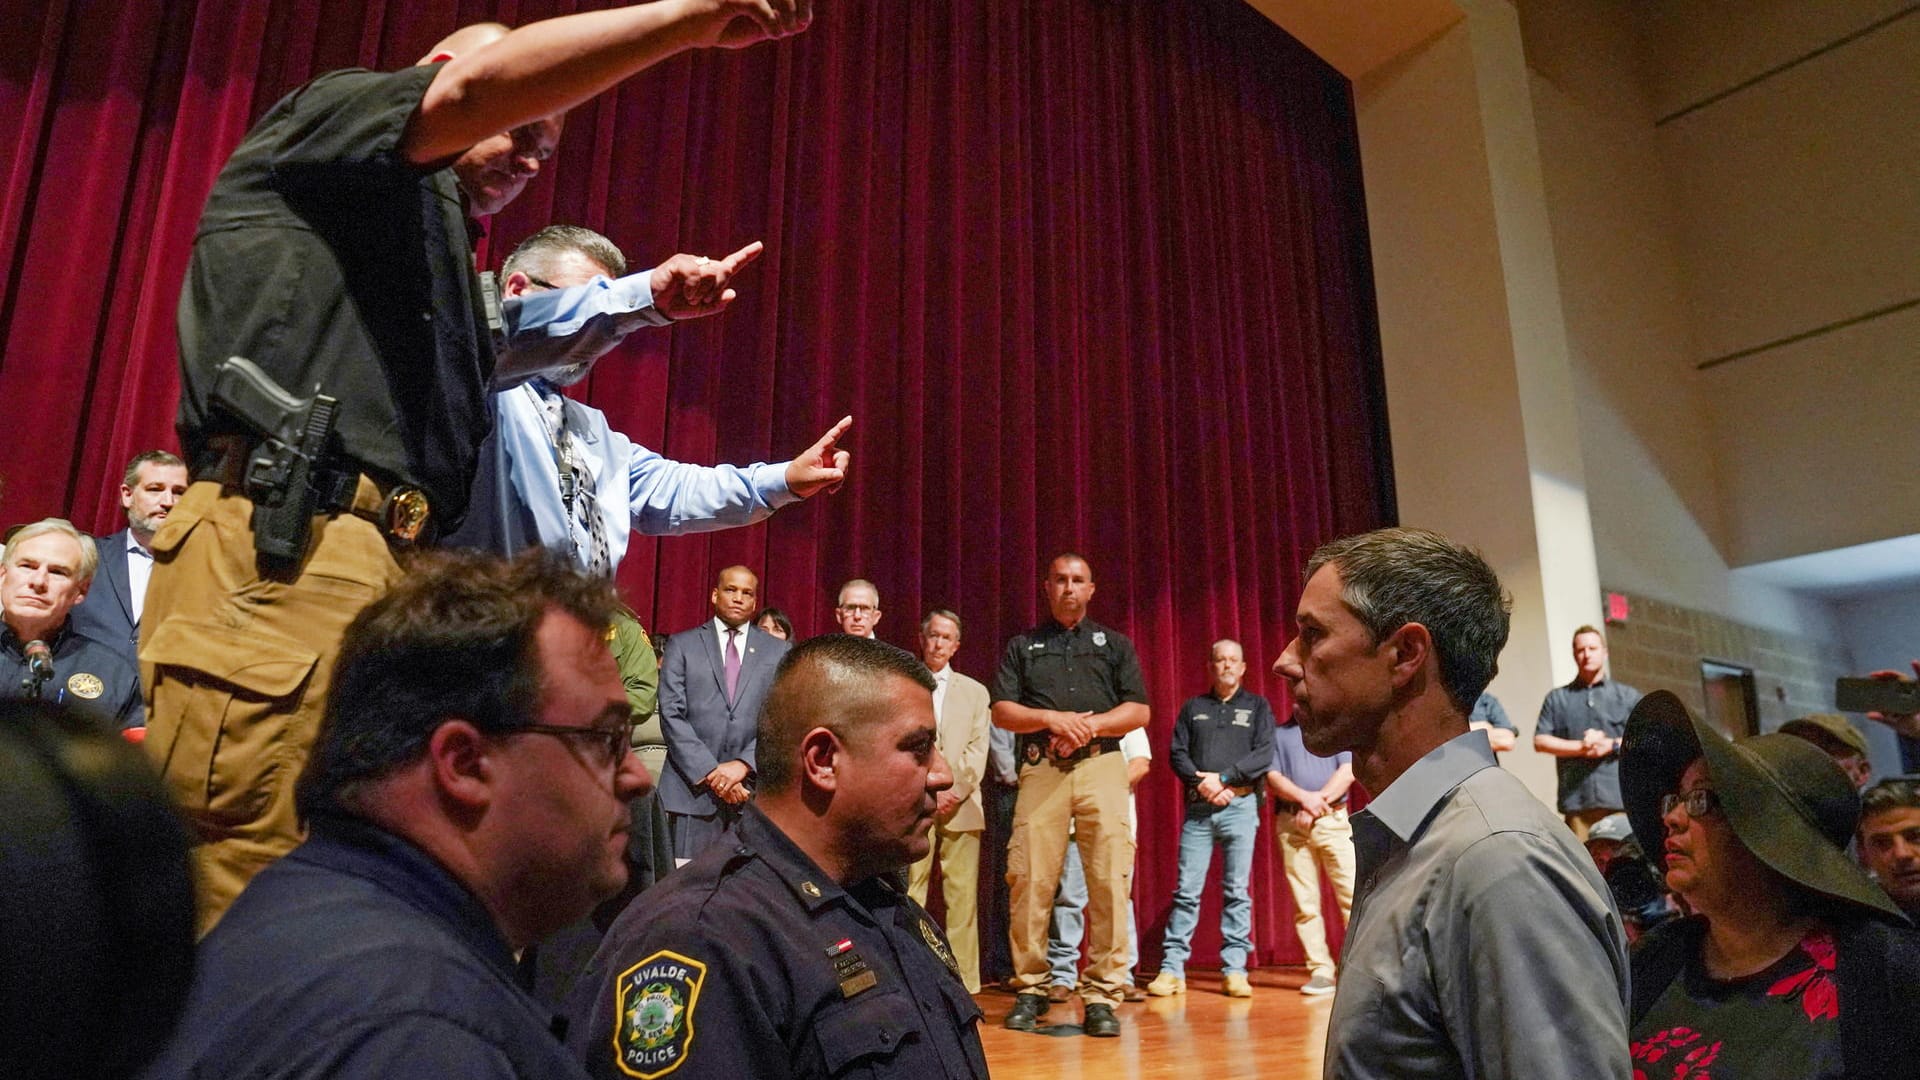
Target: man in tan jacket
<point>960,706</point>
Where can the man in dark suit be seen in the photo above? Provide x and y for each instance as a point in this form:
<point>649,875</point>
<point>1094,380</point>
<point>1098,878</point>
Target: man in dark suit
<point>713,680</point>
<point>154,481</point>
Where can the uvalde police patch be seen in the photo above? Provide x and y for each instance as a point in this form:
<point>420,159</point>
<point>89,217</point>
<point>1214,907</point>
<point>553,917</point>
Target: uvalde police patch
<point>653,1018</point>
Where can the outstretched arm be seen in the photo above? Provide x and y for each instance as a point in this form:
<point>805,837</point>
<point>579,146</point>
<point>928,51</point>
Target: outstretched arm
<point>550,66</point>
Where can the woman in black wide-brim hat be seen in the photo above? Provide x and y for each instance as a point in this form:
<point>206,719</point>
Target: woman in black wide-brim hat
<point>1794,963</point>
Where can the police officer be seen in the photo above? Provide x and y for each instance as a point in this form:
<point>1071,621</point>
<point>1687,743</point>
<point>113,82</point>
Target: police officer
<point>466,798</point>
<point>1070,688</point>
<point>788,949</point>
<point>336,251</point>
<point>47,569</point>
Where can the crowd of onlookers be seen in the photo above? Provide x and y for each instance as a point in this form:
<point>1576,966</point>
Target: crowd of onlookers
<point>405,753</point>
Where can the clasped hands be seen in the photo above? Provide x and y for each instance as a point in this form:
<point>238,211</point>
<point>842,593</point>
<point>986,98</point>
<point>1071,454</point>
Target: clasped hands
<point>1068,732</point>
<point>728,782</point>
<point>1597,744</point>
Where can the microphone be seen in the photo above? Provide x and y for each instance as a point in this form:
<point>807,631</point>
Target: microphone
<point>39,659</point>
<point>39,666</point>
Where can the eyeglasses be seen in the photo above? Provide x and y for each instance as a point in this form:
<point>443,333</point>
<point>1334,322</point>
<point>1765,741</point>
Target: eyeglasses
<point>1699,802</point>
<point>858,609</point>
<point>614,742</point>
<point>537,283</point>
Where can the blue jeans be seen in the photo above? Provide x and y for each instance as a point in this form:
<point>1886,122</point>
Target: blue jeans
<point>1236,825</point>
<point>1069,924</point>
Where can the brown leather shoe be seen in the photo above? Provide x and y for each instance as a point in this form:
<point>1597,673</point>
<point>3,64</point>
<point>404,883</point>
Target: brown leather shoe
<point>1133,993</point>
<point>1059,992</point>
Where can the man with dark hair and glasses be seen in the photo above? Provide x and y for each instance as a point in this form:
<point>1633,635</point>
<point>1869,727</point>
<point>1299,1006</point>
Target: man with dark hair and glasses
<point>466,796</point>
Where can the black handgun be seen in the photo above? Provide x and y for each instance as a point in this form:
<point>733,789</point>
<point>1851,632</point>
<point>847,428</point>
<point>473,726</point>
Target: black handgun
<point>294,433</point>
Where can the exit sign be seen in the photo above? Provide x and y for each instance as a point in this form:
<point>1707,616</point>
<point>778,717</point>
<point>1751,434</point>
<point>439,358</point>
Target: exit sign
<point>1617,608</point>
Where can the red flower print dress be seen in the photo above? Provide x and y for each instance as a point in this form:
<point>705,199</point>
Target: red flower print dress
<point>1782,1023</point>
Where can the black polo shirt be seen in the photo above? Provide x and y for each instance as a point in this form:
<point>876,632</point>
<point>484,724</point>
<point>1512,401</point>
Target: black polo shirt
<point>1089,668</point>
<point>1233,738</point>
<point>1567,712</point>
<point>88,675</point>
<point>327,259</point>
<point>359,956</point>
<point>751,962</point>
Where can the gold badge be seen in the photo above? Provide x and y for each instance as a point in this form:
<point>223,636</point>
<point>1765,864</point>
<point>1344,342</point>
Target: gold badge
<point>407,512</point>
<point>810,889</point>
<point>939,946</point>
<point>85,686</point>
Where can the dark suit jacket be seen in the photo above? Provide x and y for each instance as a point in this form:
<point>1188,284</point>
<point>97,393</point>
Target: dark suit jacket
<point>106,615</point>
<point>702,728</point>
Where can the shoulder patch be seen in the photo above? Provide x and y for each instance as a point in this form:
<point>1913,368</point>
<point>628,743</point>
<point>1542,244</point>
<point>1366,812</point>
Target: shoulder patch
<point>83,685</point>
<point>653,1013</point>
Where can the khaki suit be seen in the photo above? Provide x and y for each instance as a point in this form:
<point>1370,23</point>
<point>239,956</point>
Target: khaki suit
<point>965,722</point>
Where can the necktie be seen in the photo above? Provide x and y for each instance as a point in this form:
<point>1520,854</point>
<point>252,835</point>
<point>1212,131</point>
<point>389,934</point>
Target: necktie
<point>584,527</point>
<point>733,665</point>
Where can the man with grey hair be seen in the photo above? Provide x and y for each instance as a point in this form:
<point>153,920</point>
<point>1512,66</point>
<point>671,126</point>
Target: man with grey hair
<point>45,571</point>
<point>791,951</point>
<point>1399,631</point>
<point>1222,746</point>
<point>153,482</point>
<point>857,608</point>
<point>553,471</point>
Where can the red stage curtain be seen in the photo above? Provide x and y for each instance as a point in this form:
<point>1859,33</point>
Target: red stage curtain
<point>1090,274</point>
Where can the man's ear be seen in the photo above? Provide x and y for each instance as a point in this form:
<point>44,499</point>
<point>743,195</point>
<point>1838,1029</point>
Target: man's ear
<point>516,284</point>
<point>463,764</point>
<point>819,756</point>
<point>1412,647</point>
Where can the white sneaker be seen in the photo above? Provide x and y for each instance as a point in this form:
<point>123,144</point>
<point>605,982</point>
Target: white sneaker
<point>1317,986</point>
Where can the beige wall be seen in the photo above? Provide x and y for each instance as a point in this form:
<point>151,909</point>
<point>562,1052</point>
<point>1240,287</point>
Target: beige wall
<point>1578,207</point>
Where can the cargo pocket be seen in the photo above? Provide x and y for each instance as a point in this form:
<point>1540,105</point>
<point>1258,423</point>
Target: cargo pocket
<point>861,1037</point>
<point>229,697</point>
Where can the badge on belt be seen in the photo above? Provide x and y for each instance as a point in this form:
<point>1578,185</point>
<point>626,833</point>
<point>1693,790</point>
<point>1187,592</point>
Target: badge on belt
<point>653,1013</point>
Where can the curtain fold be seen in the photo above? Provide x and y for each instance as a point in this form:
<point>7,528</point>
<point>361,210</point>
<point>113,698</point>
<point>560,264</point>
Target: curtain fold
<point>1089,275</point>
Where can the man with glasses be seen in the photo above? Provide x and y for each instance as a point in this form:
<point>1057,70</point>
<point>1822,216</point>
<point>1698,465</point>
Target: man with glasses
<point>858,609</point>
<point>553,472</point>
<point>336,253</point>
<point>465,797</point>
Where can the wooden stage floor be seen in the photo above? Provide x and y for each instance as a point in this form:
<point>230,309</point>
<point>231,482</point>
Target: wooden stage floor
<point>1275,1035</point>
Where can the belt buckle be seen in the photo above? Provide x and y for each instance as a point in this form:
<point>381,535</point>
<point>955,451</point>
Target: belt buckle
<point>406,513</point>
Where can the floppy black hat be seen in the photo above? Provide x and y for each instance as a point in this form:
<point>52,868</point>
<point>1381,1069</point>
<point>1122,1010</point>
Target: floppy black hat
<point>1784,798</point>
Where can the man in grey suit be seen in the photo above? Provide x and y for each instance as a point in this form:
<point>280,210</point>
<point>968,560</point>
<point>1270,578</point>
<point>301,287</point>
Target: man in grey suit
<point>110,614</point>
<point>713,680</point>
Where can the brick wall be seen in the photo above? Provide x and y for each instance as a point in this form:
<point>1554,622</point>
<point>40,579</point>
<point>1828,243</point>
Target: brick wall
<point>1661,646</point>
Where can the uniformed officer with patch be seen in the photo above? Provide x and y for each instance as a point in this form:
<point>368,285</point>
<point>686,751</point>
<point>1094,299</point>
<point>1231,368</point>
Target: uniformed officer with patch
<point>46,570</point>
<point>1070,688</point>
<point>788,950</point>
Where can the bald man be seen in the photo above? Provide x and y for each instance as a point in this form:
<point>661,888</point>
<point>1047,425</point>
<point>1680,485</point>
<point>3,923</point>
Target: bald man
<point>713,680</point>
<point>336,252</point>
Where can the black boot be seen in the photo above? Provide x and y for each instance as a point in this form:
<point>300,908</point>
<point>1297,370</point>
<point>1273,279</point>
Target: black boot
<point>1027,1011</point>
<point>1100,1021</point>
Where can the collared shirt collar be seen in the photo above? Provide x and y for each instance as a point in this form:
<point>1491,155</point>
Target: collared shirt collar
<point>15,645</point>
<point>1409,801</point>
<point>134,547</point>
<point>359,847</point>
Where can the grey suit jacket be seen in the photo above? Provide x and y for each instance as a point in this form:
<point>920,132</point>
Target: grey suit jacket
<point>106,615</point>
<point>702,728</point>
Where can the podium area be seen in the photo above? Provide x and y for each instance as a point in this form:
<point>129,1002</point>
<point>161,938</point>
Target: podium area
<point>1275,1035</point>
